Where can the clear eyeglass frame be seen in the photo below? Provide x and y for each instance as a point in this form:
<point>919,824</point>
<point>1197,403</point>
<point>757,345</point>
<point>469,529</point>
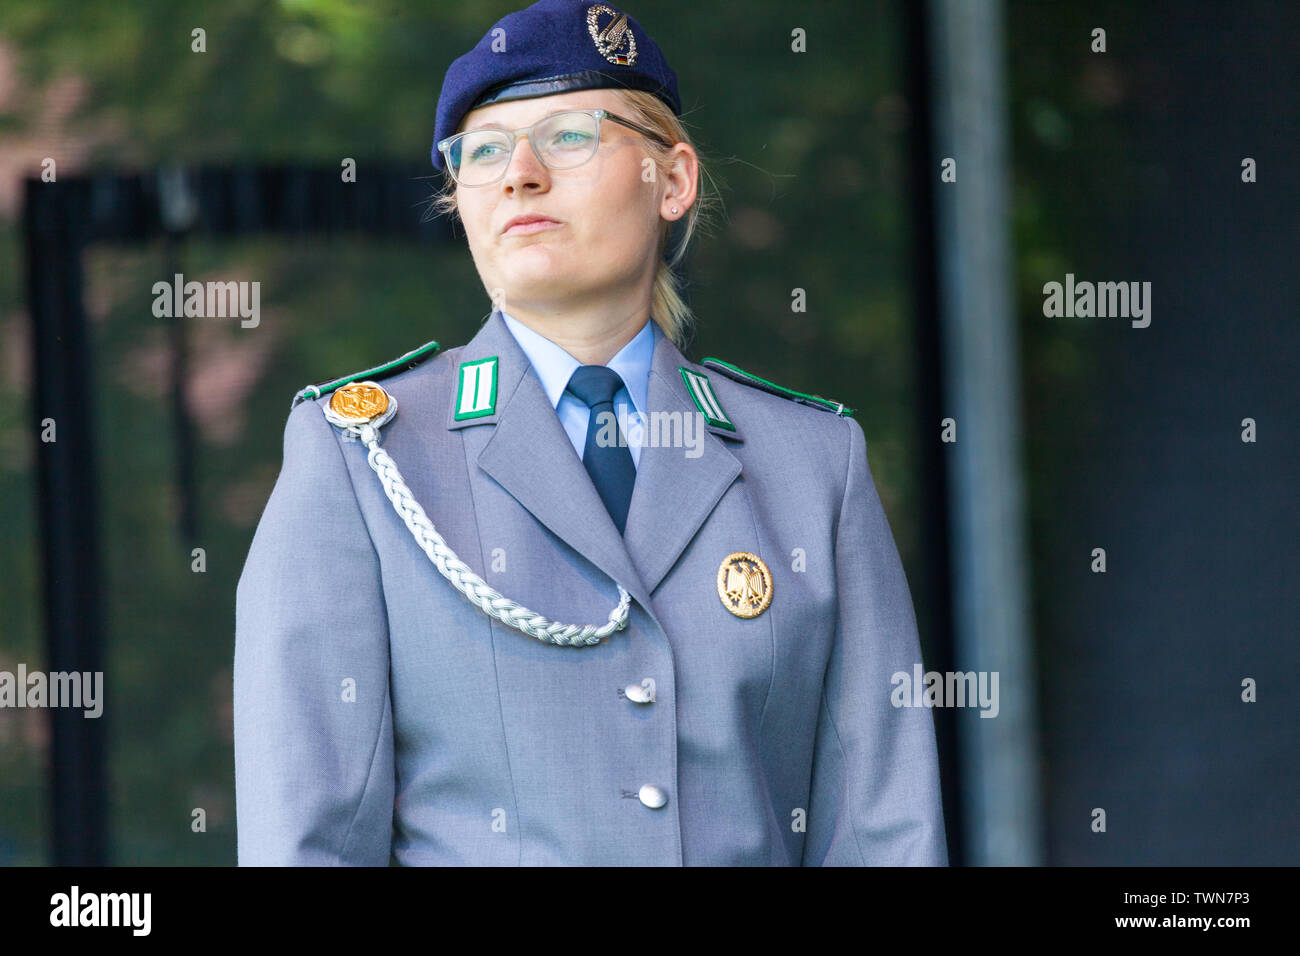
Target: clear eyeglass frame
<point>447,145</point>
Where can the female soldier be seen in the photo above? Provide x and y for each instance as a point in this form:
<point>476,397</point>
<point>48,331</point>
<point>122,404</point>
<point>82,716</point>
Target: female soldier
<point>487,618</point>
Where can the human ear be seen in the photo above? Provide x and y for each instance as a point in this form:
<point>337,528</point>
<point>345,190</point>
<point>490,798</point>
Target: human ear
<point>680,181</point>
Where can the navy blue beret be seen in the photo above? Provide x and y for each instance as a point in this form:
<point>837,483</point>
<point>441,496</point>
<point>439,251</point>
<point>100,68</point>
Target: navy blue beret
<point>554,46</point>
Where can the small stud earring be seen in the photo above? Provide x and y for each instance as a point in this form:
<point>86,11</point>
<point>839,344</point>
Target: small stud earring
<point>674,210</point>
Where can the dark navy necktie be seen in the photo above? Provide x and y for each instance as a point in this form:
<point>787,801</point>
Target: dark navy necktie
<point>609,464</point>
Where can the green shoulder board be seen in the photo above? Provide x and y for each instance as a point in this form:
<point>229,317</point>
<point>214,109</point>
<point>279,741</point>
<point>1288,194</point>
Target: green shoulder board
<point>410,360</point>
<point>747,378</point>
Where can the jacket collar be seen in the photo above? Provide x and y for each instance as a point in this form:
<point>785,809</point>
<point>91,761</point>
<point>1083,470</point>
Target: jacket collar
<point>530,456</point>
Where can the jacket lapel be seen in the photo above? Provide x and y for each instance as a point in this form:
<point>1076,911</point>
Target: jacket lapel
<point>530,456</point>
<point>674,494</point>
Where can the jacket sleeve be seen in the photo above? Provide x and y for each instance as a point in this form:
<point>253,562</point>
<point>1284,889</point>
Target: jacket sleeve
<point>875,783</point>
<point>314,773</point>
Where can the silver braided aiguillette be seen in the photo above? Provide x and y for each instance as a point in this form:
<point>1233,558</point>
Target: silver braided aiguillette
<point>361,409</point>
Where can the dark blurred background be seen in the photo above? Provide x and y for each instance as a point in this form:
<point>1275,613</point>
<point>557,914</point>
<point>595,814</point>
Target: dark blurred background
<point>1120,690</point>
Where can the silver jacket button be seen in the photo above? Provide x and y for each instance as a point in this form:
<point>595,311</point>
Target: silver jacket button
<point>642,693</point>
<point>652,796</point>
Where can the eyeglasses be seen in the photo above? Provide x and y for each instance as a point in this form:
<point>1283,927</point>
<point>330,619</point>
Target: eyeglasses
<point>565,140</point>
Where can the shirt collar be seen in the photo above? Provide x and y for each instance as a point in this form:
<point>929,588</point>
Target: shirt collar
<point>555,366</point>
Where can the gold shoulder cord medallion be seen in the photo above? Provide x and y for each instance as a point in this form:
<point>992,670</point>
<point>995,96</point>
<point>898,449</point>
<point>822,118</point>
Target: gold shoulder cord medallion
<point>744,584</point>
<point>360,403</point>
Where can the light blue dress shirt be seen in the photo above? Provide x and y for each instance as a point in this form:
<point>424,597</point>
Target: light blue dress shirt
<point>554,366</point>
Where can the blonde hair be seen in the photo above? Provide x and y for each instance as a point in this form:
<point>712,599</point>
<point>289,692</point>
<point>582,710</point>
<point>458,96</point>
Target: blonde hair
<point>667,305</point>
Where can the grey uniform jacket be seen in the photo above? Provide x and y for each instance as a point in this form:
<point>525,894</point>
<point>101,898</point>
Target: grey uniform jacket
<point>381,717</point>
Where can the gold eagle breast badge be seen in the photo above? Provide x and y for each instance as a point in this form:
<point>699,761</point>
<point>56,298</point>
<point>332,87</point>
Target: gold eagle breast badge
<point>744,584</point>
